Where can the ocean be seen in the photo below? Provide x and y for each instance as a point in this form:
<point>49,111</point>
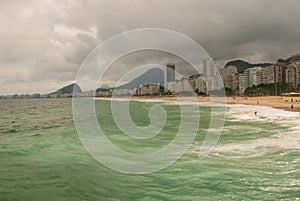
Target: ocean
<point>42,158</point>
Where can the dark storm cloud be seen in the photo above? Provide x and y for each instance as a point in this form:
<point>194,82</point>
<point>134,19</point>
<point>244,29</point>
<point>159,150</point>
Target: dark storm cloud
<point>43,43</point>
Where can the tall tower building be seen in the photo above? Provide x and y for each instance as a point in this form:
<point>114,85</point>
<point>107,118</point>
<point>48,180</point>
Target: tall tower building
<point>210,73</point>
<point>170,68</point>
<point>209,67</point>
<point>169,77</point>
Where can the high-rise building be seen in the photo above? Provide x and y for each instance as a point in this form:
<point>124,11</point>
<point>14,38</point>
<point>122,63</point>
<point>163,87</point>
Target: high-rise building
<point>231,81</point>
<point>209,68</point>
<point>255,76</point>
<point>210,75</point>
<point>229,77</point>
<point>268,74</point>
<point>293,74</point>
<point>280,69</point>
<point>170,72</point>
<point>169,77</point>
<point>244,81</point>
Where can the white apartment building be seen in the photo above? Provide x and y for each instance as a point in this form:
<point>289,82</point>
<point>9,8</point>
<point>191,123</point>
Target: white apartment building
<point>293,74</point>
<point>243,81</point>
<point>268,74</point>
<point>255,76</point>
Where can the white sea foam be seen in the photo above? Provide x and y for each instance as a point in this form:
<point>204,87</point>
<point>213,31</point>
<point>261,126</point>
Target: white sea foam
<point>289,139</point>
<point>241,112</point>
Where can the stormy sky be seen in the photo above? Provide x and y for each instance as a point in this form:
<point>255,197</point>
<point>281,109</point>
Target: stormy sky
<point>43,43</point>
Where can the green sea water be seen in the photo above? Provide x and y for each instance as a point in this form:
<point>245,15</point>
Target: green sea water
<point>42,158</point>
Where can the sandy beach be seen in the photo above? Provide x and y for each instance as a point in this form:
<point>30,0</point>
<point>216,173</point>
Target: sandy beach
<point>286,103</point>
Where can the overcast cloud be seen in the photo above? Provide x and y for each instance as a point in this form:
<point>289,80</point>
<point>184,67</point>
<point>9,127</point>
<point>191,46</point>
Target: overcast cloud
<point>43,43</point>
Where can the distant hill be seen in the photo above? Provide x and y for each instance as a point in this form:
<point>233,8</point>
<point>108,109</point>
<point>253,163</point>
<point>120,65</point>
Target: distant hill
<point>102,89</point>
<point>243,65</point>
<point>261,64</point>
<point>69,89</point>
<point>154,75</point>
<point>240,64</point>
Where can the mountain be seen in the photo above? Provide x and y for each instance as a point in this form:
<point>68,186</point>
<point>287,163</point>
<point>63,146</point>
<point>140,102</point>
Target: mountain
<point>240,64</point>
<point>262,64</point>
<point>69,89</point>
<point>102,89</point>
<point>154,75</point>
<point>243,65</point>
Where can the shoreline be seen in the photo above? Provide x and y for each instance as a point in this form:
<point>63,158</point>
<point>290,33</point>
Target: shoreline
<point>291,104</point>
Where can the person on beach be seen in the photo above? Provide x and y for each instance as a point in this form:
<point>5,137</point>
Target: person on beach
<point>255,113</point>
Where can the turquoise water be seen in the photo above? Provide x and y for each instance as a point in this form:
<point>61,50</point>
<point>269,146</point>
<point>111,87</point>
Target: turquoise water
<point>42,158</point>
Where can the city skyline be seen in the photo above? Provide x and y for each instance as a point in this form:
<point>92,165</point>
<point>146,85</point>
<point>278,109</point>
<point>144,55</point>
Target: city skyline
<point>45,42</point>
<point>284,72</point>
